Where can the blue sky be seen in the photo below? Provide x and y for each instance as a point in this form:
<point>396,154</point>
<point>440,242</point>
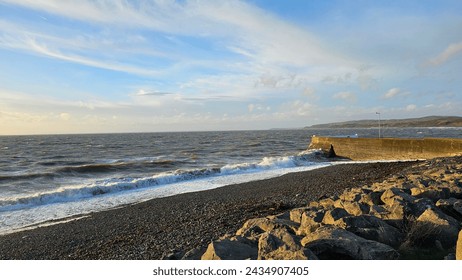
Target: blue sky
<point>139,66</point>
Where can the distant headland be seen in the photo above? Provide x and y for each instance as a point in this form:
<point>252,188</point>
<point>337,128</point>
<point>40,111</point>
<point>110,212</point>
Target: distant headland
<point>430,121</point>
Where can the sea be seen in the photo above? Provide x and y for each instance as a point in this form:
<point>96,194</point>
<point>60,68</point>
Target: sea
<point>46,179</point>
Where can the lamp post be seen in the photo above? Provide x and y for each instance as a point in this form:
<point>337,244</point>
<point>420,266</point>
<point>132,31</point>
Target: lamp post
<point>380,136</point>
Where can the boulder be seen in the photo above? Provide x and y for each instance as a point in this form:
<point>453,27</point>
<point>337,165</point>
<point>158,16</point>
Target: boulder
<point>279,244</point>
<point>393,214</point>
<point>352,195</point>
<point>378,211</point>
<point>419,206</point>
<point>296,214</point>
<point>458,206</point>
<point>254,227</point>
<point>455,189</point>
<point>333,215</point>
<point>451,206</point>
<point>393,195</point>
<point>438,227</point>
<point>433,193</point>
<point>459,247</point>
<point>329,242</point>
<point>372,198</point>
<point>227,249</point>
<point>326,203</point>
<point>310,221</point>
<point>352,207</point>
<point>372,228</point>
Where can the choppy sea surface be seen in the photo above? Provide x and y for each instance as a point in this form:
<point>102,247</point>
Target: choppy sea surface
<point>50,177</point>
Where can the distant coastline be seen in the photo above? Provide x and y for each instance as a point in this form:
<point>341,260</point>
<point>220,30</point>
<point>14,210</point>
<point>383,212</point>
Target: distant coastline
<point>430,121</point>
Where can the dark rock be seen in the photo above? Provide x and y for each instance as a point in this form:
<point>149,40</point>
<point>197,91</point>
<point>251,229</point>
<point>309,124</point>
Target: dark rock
<point>451,206</point>
<point>419,206</point>
<point>311,220</point>
<point>352,207</point>
<point>257,226</point>
<point>279,244</point>
<point>331,216</point>
<point>433,193</point>
<point>332,243</point>
<point>229,250</point>
<point>393,195</point>
<point>372,228</point>
<point>373,198</point>
<point>331,152</point>
<point>445,227</point>
<point>296,214</point>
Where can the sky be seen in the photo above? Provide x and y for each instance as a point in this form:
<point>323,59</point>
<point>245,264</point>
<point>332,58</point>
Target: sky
<point>100,66</point>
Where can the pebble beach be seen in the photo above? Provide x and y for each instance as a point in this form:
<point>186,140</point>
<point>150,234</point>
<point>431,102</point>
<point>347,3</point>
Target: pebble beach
<point>181,226</point>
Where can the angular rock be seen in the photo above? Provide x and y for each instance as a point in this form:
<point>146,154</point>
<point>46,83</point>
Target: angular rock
<point>458,206</point>
<point>352,207</point>
<point>378,211</point>
<point>257,226</point>
<point>229,250</point>
<point>439,226</point>
<point>451,206</point>
<point>372,228</point>
<point>296,214</point>
<point>279,244</point>
<point>393,214</point>
<point>333,215</point>
<point>433,193</point>
<point>459,247</point>
<point>393,195</point>
<point>419,206</point>
<point>352,195</point>
<point>330,242</point>
<point>372,198</point>
<point>327,203</point>
<point>311,220</point>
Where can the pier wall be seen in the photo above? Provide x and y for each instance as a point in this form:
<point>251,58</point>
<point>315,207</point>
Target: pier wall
<point>388,148</point>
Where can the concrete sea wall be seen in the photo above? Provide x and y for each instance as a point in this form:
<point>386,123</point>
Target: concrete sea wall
<point>388,148</point>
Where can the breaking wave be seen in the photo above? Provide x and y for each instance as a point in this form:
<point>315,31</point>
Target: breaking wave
<point>116,185</point>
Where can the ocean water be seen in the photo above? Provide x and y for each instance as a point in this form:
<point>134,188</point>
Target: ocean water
<point>50,177</point>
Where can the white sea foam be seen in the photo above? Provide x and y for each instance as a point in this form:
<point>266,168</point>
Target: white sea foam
<point>21,212</point>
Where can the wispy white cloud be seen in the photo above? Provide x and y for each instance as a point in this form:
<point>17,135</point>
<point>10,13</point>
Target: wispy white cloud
<point>264,40</point>
<point>411,107</point>
<point>345,95</point>
<point>395,93</point>
<point>450,52</point>
<point>391,93</point>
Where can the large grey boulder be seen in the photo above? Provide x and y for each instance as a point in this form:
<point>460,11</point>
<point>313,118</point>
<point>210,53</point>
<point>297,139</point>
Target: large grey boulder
<point>352,207</point>
<point>372,228</point>
<point>451,206</point>
<point>255,227</point>
<point>393,214</point>
<point>310,221</point>
<point>439,227</point>
<point>434,193</point>
<point>329,242</point>
<point>393,195</point>
<point>279,244</point>
<point>228,249</point>
<point>331,216</point>
<point>372,198</point>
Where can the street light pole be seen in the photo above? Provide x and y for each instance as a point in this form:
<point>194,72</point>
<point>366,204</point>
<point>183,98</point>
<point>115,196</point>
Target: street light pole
<point>380,136</point>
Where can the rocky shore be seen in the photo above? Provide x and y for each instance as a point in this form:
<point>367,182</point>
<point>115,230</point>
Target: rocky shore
<point>414,214</point>
<point>313,214</point>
